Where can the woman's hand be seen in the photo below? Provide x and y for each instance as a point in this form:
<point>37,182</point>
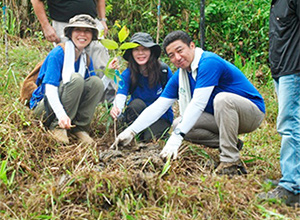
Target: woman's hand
<point>115,112</point>
<point>114,64</point>
<point>64,122</point>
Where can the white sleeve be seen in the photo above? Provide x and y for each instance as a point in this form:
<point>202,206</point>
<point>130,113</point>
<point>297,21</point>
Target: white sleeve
<point>195,108</point>
<point>151,114</point>
<point>119,101</point>
<point>53,98</point>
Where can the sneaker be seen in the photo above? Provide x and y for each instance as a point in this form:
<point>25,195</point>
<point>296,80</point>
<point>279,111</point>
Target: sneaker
<point>281,193</point>
<point>231,168</point>
<point>60,135</point>
<point>84,137</point>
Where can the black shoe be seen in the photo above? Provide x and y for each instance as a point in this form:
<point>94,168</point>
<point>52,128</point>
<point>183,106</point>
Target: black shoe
<point>240,144</point>
<point>231,168</point>
<point>281,193</point>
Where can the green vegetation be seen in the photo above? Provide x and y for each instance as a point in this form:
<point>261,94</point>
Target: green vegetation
<point>40,179</point>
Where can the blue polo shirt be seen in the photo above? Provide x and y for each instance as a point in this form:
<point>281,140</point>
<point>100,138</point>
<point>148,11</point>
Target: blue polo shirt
<point>143,91</point>
<point>217,72</point>
<point>51,73</point>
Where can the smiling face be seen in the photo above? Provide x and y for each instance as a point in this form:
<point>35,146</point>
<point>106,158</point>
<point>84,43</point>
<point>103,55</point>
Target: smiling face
<point>82,37</point>
<point>180,54</point>
<point>141,55</point>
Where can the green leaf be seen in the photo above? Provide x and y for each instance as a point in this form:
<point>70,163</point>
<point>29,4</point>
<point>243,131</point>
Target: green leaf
<point>123,34</point>
<point>166,167</point>
<point>128,45</point>
<point>110,73</point>
<point>109,44</point>
<point>3,176</point>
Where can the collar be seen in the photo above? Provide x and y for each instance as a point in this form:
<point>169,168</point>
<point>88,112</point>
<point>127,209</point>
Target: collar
<point>195,63</point>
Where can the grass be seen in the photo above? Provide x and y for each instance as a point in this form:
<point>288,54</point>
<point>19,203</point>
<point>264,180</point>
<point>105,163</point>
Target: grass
<point>40,179</point>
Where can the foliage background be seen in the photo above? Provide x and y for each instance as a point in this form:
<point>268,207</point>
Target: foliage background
<point>232,26</point>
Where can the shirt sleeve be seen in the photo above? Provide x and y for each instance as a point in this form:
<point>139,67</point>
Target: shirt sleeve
<point>53,98</point>
<point>209,73</point>
<point>119,101</point>
<point>124,83</point>
<point>53,72</point>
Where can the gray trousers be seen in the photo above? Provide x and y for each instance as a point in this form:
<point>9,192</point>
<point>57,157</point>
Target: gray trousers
<point>233,115</point>
<point>79,98</point>
<point>99,55</point>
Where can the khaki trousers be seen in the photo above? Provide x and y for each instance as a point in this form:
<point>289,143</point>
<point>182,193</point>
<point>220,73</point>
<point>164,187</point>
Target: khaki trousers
<point>233,115</point>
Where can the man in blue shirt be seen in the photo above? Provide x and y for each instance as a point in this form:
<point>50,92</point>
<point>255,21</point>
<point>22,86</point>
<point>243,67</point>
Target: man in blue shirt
<point>216,101</point>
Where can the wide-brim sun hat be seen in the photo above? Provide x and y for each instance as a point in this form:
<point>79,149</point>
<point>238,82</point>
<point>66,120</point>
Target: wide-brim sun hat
<point>83,20</point>
<point>144,40</point>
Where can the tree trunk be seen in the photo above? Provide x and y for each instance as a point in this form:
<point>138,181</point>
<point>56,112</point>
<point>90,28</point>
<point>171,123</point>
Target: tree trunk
<point>23,16</point>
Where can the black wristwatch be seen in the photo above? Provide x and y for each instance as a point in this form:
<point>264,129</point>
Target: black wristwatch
<point>178,132</point>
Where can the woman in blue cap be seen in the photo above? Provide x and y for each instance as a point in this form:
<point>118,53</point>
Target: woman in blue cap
<point>143,80</point>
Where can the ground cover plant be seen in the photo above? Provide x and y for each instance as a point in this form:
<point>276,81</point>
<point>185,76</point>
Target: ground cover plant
<point>40,179</point>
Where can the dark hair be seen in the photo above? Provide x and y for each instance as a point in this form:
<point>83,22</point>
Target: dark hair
<point>176,35</point>
<point>153,67</point>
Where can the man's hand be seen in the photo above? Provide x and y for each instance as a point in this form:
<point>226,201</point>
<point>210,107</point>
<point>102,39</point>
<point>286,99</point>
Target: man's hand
<point>105,28</point>
<point>171,148</point>
<point>50,34</point>
<point>124,138</point>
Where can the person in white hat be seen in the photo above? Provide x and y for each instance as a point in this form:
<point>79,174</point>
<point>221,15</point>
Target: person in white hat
<point>60,12</point>
<point>68,88</point>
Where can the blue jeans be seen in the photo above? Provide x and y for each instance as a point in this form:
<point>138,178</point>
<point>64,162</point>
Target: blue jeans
<point>288,126</point>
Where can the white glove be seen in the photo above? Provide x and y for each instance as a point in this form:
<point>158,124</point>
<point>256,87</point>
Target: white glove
<point>124,138</point>
<point>171,148</point>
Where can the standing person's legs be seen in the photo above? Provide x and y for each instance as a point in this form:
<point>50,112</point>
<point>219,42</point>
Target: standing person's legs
<point>59,29</point>
<point>288,126</point>
<point>234,115</point>
<point>100,57</point>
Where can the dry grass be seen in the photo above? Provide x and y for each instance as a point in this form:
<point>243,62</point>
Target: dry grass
<point>44,180</point>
